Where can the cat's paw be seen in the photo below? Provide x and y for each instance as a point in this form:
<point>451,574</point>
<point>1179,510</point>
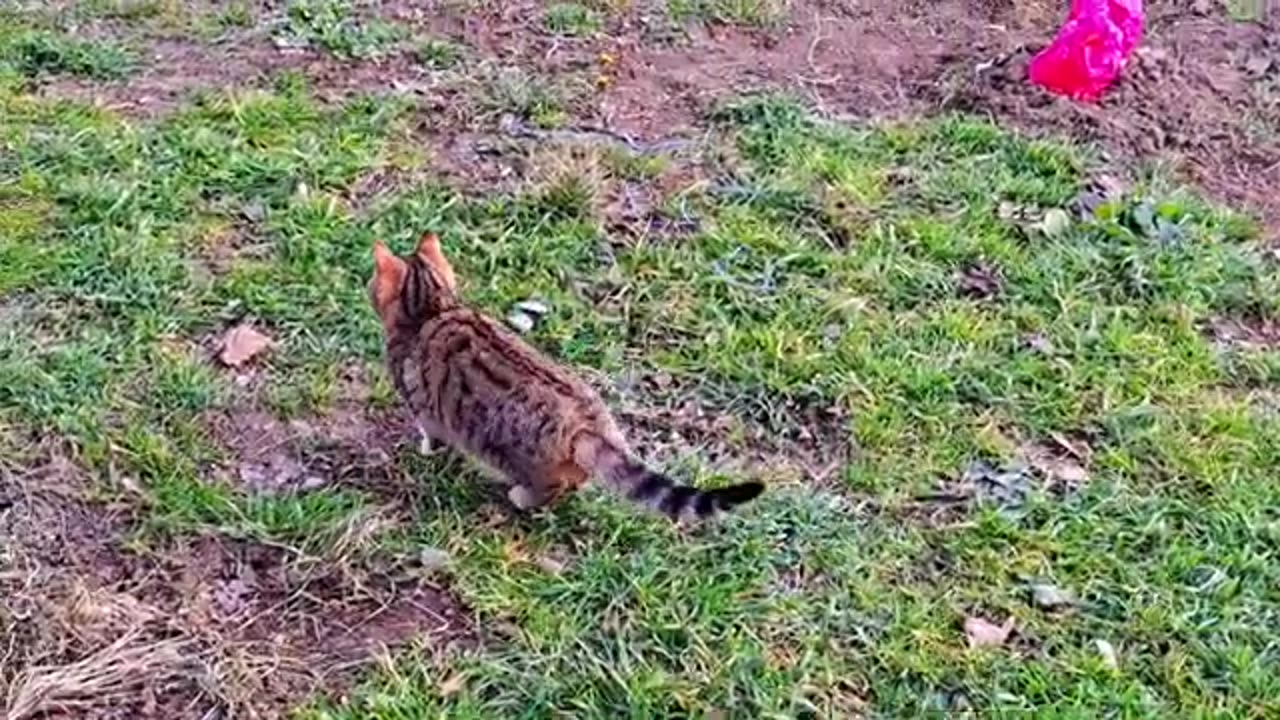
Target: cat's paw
<point>522,497</point>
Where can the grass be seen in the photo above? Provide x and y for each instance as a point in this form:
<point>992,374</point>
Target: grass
<point>826,271</point>
<point>570,19</point>
<point>763,13</point>
<point>438,54</point>
<point>334,26</point>
<point>1247,10</point>
<point>35,53</point>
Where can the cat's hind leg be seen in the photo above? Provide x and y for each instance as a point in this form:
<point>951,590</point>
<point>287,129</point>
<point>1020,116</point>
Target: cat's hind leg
<point>547,487</point>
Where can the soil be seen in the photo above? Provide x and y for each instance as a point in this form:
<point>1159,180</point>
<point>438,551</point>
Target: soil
<point>74,582</point>
<point>1195,95</point>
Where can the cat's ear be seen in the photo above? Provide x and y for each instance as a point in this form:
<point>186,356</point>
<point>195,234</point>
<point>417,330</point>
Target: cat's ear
<point>388,273</point>
<point>385,262</point>
<point>430,252</point>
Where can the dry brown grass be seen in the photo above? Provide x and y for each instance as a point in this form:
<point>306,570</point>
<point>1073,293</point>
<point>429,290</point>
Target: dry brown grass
<point>117,671</point>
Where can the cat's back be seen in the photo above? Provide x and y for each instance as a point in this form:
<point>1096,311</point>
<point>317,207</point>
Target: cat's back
<point>502,362</point>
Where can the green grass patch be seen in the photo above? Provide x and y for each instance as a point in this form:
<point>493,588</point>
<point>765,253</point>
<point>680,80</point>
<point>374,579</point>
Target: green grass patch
<point>438,54</point>
<point>334,26</point>
<point>759,13</point>
<point>570,19</point>
<point>129,10</point>
<point>35,53</point>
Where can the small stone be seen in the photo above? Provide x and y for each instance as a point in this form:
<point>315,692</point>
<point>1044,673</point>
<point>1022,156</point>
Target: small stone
<point>1040,343</point>
<point>982,633</point>
<point>434,559</point>
<point>519,321</point>
<point>1051,597</point>
<point>1056,222</point>
<point>254,212</point>
<point>537,308</point>
<point>1257,65</point>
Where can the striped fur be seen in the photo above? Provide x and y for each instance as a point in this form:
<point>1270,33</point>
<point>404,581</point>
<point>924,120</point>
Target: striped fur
<point>477,387</point>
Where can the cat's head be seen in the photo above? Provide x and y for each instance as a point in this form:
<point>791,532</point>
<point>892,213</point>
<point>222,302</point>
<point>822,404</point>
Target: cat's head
<point>408,290</point>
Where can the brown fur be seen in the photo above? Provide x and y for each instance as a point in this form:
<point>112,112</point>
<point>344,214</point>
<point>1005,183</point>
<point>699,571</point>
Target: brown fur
<point>479,388</point>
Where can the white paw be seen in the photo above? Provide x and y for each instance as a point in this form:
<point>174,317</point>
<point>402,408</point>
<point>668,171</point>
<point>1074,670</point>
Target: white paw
<point>427,446</point>
<point>521,496</point>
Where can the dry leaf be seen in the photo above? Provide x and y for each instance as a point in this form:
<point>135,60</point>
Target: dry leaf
<point>985,634</point>
<point>241,344</point>
<point>1108,653</point>
<point>980,280</point>
<point>550,565</point>
<point>451,685</point>
<point>1061,465</point>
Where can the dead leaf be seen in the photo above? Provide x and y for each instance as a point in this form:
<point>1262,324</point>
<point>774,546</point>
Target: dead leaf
<point>241,344</point>
<point>551,565</point>
<point>1059,468</point>
<point>452,685</point>
<point>982,633</point>
<point>1079,451</point>
<point>980,280</point>
<point>1108,653</point>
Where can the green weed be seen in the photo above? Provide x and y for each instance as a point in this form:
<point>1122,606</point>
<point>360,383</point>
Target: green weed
<point>743,12</point>
<point>570,19</point>
<point>438,54</point>
<point>34,53</point>
<point>334,26</point>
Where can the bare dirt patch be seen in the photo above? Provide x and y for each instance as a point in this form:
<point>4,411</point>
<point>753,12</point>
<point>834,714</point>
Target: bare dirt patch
<point>351,444</point>
<point>173,70</point>
<point>1191,97</point>
<point>1201,94</point>
<point>1196,95</point>
<point>1247,332</point>
<point>98,625</point>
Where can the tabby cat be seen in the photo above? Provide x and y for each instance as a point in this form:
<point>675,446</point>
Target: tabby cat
<point>477,387</point>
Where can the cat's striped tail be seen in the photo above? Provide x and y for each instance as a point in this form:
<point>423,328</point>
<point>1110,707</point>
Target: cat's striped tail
<point>658,492</point>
